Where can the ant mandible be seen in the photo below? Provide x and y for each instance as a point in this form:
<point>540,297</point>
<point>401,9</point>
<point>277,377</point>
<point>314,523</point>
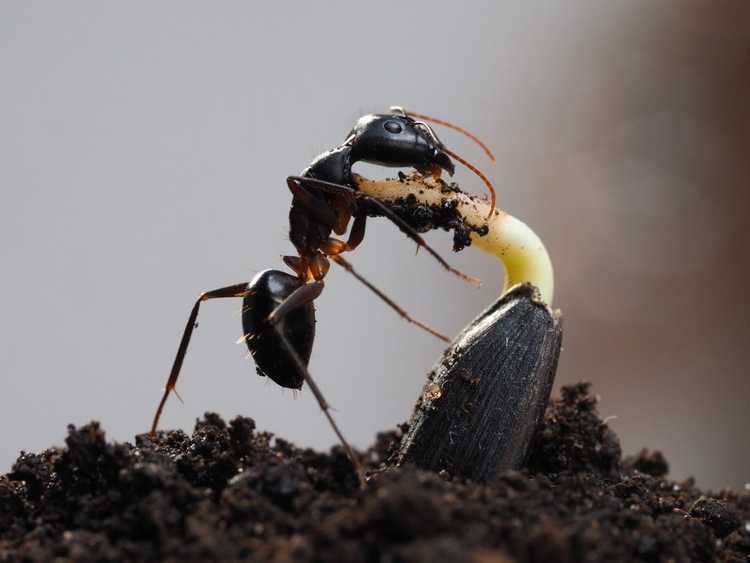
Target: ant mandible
<point>278,315</point>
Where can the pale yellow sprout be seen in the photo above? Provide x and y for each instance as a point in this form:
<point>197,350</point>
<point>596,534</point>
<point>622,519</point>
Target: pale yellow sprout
<point>519,249</point>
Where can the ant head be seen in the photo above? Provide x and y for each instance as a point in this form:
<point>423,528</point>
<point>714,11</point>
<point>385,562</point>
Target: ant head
<point>398,140</point>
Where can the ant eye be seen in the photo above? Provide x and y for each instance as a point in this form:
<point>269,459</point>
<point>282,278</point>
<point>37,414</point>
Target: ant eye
<point>393,127</point>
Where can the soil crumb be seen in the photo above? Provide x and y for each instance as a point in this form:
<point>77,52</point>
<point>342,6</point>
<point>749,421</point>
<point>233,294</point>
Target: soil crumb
<point>229,492</point>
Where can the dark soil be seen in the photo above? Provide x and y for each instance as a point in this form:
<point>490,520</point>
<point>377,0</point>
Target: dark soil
<point>229,492</point>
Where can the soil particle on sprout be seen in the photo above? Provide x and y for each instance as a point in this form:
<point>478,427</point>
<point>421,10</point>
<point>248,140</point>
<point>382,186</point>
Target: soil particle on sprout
<point>445,216</point>
<point>229,492</point>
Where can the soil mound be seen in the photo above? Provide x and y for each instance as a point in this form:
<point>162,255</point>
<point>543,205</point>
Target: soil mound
<point>229,492</point>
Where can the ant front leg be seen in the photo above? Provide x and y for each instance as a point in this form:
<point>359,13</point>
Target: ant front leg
<point>409,231</point>
<point>237,290</point>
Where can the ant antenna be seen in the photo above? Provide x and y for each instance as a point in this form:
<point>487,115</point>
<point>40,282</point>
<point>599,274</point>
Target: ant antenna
<point>479,173</point>
<point>401,111</point>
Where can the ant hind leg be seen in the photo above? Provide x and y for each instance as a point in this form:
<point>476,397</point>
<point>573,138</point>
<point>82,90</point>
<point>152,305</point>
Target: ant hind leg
<point>237,290</point>
<point>301,296</point>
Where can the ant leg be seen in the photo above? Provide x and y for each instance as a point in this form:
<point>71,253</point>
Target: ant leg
<point>301,296</point>
<point>357,233</point>
<point>406,316</point>
<point>333,246</point>
<point>324,406</point>
<point>237,290</point>
<point>409,231</point>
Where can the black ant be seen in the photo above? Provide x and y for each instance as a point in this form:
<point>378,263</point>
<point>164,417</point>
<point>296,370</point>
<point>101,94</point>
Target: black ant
<point>278,315</point>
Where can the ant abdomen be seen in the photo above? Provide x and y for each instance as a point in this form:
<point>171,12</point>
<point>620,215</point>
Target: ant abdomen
<point>266,291</point>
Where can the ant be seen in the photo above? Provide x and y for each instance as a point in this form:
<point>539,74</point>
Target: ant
<point>278,315</point>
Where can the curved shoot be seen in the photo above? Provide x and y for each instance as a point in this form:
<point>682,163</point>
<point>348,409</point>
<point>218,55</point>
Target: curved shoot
<point>510,240</point>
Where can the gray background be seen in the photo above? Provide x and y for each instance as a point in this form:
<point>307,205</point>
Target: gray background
<point>143,151</point>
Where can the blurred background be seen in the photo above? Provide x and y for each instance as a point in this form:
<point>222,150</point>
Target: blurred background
<point>143,152</point>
